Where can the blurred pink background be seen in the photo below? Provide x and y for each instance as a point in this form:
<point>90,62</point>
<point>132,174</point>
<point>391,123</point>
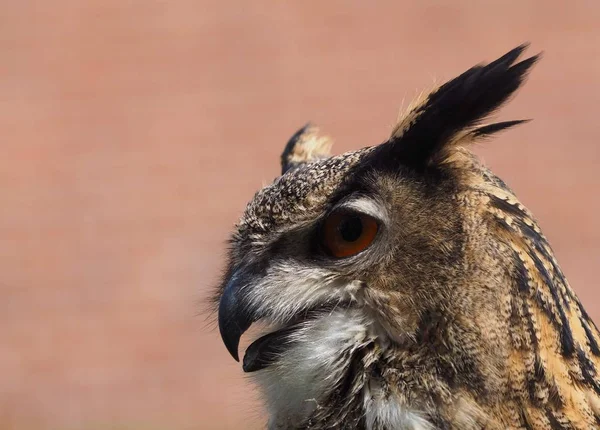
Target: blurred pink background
<point>134,132</point>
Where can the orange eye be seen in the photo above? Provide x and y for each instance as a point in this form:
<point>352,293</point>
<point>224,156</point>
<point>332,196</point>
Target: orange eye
<point>347,233</point>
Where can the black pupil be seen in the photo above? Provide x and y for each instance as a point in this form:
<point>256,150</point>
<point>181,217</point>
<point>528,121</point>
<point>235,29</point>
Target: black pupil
<point>351,228</point>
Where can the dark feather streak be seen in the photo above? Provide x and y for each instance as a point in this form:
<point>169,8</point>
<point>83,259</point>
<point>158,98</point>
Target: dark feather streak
<point>460,104</point>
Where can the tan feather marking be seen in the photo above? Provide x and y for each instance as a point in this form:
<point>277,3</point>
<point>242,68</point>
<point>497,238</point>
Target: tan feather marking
<point>594,403</point>
<point>469,416</point>
<point>537,417</point>
<point>564,393</point>
<point>310,146</point>
<point>410,115</point>
<point>556,371</point>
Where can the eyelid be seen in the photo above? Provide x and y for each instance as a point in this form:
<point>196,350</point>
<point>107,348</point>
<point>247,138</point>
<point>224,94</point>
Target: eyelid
<point>364,205</point>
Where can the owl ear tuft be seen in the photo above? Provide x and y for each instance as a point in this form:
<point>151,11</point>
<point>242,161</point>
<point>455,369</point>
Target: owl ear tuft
<point>304,146</point>
<point>425,134</point>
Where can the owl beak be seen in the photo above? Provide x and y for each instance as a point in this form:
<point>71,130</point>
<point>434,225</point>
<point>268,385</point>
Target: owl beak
<point>234,317</point>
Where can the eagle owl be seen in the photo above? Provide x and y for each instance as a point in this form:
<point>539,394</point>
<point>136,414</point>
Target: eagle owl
<point>404,286</point>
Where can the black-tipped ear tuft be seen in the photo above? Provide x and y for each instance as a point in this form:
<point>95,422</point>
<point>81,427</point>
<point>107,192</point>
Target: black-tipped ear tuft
<point>457,106</point>
<point>489,129</point>
<point>290,146</point>
<point>304,146</point>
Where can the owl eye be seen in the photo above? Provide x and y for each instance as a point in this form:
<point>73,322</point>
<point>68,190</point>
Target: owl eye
<point>347,233</point>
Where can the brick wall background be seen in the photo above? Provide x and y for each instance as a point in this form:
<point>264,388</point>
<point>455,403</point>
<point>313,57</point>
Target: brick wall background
<point>133,133</point>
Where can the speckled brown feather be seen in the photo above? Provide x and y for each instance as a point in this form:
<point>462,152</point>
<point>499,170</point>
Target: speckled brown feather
<point>553,353</point>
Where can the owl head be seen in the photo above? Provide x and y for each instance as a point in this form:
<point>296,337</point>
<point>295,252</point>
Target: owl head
<point>380,259</point>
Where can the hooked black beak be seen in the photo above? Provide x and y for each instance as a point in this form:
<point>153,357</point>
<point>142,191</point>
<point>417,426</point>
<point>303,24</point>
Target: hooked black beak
<point>234,317</point>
